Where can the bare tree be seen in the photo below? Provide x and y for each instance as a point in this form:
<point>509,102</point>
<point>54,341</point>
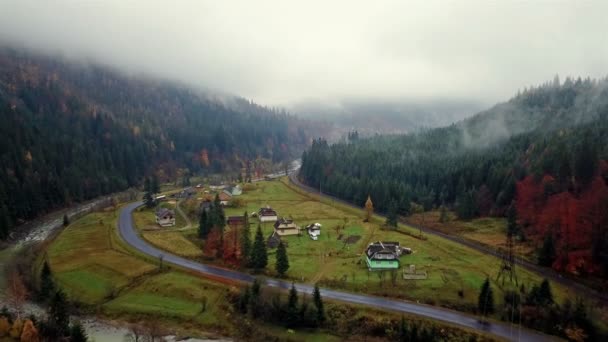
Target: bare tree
<point>137,333</point>
<point>17,293</point>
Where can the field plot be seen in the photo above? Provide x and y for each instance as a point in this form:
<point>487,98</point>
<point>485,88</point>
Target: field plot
<point>455,273</point>
<point>92,266</point>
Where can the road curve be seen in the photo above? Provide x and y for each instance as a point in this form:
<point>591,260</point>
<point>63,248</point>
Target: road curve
<point>505,331</point>
<point>543,271</point>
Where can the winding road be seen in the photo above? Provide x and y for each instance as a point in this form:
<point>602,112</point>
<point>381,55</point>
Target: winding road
<point>502,330</point>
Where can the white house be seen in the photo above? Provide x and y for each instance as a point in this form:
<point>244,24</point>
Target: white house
<point>234,190</point>
<point>165,217</point>
<point>267,215</point>
<point>314,230</point>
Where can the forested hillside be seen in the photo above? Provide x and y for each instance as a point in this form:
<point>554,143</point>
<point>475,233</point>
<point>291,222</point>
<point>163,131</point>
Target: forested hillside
<point>73,131</point>
<point>545,151</point>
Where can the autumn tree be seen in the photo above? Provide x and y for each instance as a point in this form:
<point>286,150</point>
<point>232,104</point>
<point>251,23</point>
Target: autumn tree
<point>17,292</point>
<point>282,262</point>
<point>369,209</point>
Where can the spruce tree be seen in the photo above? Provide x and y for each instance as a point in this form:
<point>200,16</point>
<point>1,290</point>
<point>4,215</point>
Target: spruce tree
<point>154,185</point>
<point>318,301</point>
<point>545,296</point>
<point>66,220</point>
<point>58,315</point>
<point>5,222</point>
<point>203,225</point>
<point>47,286</point>
<point>292,306</point>
<point>77,333</point>
<point>546,255</point>
<point>282,262</point>
<point>246,241</point>
<point>391,215</point>
<point>149,200</point>
<point>485,302</point>
<point>259,255</point>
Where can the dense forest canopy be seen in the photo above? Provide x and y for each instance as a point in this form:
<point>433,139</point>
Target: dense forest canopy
<point>481,165</point>
<point>73,131</point>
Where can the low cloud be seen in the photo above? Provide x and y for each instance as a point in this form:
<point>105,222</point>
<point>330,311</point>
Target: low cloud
<point>282,52</point>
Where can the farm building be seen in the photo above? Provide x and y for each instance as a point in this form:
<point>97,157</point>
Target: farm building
<point>165,217</point>
<point>235,190</point>
<point>285,226</point>
<point>236,222</point>
<point>224,198</point>
<point>267,215</point>
<point>383,255</point>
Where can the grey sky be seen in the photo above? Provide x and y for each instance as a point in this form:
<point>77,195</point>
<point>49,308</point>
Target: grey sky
<point>280,52</point>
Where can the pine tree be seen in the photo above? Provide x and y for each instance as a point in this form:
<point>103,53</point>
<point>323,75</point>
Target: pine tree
<point>246,241</point>
<point>203,225</point>
<point>391,215</point>
<point>77,333</point>
<point>443,216</point>
<point>292,306</point>
<point>282,262</point>
<point>403,331</point>
<point>545,296</point>
<point>58,315</point>
<point>47,286</point>
<point>485,302</point>
<point>5,223</point>
<point>259,255</point>
<point>318,301</point>
<point>546,255</point>
<point>66,220</point>
<point>154,185</point>
<point>149,200</point>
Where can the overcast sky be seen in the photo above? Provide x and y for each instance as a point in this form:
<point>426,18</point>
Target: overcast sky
<point>281,52</point>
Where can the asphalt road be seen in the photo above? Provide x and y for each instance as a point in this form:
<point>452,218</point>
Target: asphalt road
<point>506,331</point>
<point>543,271</point>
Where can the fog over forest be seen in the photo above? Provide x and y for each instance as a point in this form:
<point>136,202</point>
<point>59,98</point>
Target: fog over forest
<point>285,54</point>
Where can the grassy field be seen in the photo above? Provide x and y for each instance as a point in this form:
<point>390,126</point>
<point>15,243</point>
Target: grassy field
<point>173,241</point>
<point>489,231</point>
<point>455,272</point>
<point>92,267</point>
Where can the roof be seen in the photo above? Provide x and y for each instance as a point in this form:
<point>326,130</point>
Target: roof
<point>284,223</point>
<point>267,212</point>
<point>161,212</point>
<point>235,220</point>
<point>382,247</point>
<point>224,196</point>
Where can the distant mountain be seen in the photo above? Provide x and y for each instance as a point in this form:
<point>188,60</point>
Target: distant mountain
<point>72,131</point>
<point>543,153</point>
<point>370,117</point>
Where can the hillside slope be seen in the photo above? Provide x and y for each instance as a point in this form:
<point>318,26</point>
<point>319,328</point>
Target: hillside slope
<point>481,165</point>
<point>72,131</point>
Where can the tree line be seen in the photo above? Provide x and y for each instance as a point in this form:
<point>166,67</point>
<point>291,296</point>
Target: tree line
<point>74,132</point>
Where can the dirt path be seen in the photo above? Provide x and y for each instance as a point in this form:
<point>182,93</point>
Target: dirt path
<point>186,218</point>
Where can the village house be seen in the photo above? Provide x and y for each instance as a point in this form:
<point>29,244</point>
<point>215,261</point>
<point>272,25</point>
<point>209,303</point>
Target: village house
<point>165,217</point>
<point>224,198</point>
<point>216,187</point>
<point>267,215</point>
<point>285,226</point>
<point>383,255</point>
<point>235,190</point>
